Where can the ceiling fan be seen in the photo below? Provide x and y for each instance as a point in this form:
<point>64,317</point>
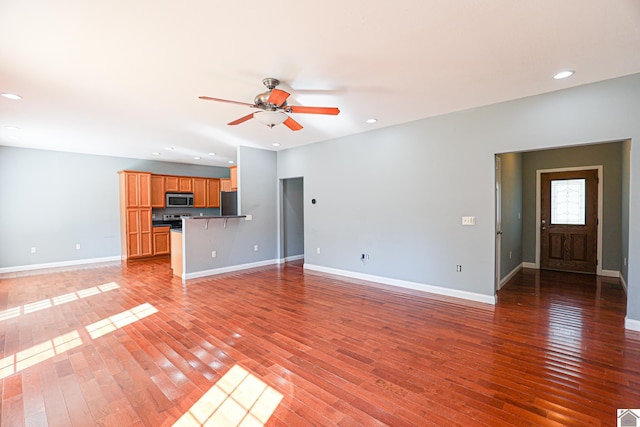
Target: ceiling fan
<point>273,107</point>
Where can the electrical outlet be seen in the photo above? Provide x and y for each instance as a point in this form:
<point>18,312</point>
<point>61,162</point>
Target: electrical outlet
<point>255,248</point>
<point>77,245</point>
<point>364,257</point>
<point>214,254</point>
<point>318,251</point>
<point>33,250</point>
<point>249,218</point>
<point>458,268</point>
<point>201,213</point>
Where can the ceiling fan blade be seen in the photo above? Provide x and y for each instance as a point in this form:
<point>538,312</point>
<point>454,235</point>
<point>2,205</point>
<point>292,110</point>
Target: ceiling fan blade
<point>208,98</point>
<point>313,110</point>
<point>241,119</point>
<point>278,97</point>
<point>292,124</point>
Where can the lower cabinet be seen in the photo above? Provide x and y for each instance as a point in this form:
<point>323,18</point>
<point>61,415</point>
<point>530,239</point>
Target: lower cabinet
<point>161,242</point>
<point>138,232</point>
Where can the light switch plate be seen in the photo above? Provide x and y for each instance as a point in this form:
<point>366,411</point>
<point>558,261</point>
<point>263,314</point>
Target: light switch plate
<point>468,220</point>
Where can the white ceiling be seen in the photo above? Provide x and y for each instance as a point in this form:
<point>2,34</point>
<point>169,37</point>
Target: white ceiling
<point>123,77</point>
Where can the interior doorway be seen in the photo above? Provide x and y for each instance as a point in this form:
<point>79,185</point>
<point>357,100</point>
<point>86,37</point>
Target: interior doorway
<point>292,237</point>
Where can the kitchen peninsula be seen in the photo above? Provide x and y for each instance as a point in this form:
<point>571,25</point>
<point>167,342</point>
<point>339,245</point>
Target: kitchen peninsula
<point>214,235</point>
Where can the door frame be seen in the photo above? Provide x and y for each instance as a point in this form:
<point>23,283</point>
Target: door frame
<point>498,230</point>
<point>539,172</point>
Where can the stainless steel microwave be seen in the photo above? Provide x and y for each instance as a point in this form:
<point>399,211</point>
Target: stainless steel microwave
<point>179,200</point>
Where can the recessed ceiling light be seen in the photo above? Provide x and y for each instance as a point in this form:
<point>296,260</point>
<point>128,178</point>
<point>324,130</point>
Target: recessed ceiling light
<point>563,74</point>
<point>372,120</point>
<point>196,158</point>
<point>155,153</point>
<point>212,154</point>
<point>169,148</point>
<point>12,128</point>
<point>276,144</point>
<point>11,96</point>
<point>230,162</point>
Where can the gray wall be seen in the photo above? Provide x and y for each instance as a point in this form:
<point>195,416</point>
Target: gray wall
<point>293,216</point>
<point>511,243</point>
<point>399,192</point>
<point>257,193</point>
<point>610,157</point>
<point>53,200</point>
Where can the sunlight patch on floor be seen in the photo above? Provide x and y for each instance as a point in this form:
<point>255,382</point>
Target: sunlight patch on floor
<point>117,321</point>
<point>58,300</point>
<point>239,398</point>
<point>35,354</point>
<point>46,350</point>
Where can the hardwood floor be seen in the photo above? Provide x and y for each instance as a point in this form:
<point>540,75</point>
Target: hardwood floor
<point>131,345</point>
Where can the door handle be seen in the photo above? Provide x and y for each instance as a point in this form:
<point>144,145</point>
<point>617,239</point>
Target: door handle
<point>499,233</point>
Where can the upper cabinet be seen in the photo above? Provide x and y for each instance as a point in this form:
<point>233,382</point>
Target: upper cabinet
<point>199,192</point>
<point>213,193</point>
<point>225,184</point>
<point>171,184</point>
<point>137,189</point>
<point>185,184</point>
<point>157,191</point>
<point>233,171</point>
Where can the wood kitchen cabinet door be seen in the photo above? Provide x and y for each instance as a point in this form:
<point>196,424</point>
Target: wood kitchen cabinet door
<point>213,193</point>
<point>137,189</point>
<point>171,184</point>
<point>161,245</point>
<point>233,172</point>
<point>157,191</point>
<point>185,184</point>
<point>225,184</point>
<point>199,192</point>
<point>139,239</point>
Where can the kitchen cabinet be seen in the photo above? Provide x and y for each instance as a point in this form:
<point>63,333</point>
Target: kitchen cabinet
<point>161,243</point>
<point>233,171</point>
<point>135,214</point>
<point>136,189</point>
<point>225,184</point>
<point>185,184</point>
<point>199,192</point>
<point>213,193</point>
<point>157,191</point>
<point>171,184</point>
<point>138,233</point>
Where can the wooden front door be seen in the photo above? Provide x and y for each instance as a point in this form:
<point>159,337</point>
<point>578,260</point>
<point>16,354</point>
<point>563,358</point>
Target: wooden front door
<point>569,221</point>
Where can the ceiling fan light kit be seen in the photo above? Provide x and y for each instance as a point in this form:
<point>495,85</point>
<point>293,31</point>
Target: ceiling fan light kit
<point>270,118</point>
<point>273,104</point>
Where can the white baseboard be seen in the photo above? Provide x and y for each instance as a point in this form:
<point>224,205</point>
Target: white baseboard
<point>530,265</point>
<point>229,269</point>
<point>509,276</point>
<point>632,324</point>
<point>472,296</point>
<point>58,264</point>
<point>610,273</point>
<point>624,284</point>
<point>294,258</point>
